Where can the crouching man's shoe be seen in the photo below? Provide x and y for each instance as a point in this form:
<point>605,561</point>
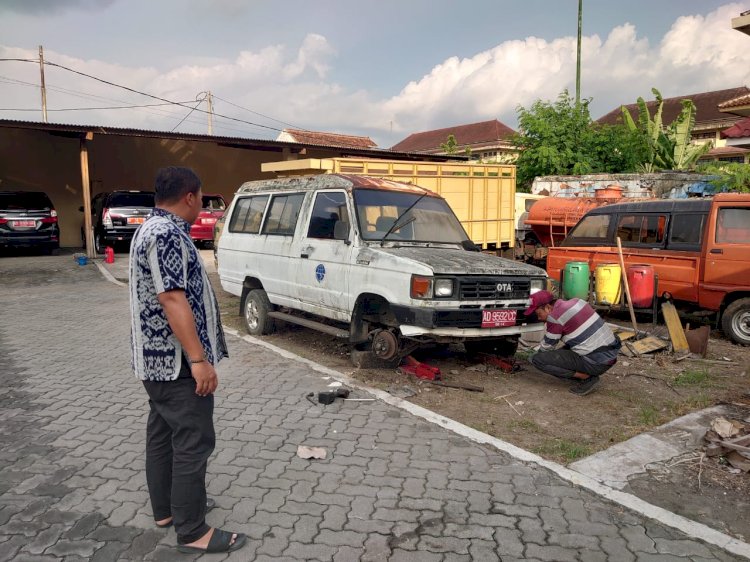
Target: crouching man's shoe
<point>585,387</point>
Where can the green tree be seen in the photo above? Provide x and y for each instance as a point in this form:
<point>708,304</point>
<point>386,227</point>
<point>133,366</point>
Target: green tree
<point>450,145</point>
<point>732,176</point>
<point>560,138</point>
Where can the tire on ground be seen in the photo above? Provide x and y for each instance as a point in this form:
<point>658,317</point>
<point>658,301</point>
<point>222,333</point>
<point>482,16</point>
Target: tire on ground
<point>735,322</point>
<point>257,306</point>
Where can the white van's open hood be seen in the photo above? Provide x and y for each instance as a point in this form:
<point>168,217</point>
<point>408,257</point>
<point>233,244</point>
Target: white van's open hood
<point>449,261</point>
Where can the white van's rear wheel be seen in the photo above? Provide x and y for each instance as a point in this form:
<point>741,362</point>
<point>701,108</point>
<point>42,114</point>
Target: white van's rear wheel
<point>256,309</point>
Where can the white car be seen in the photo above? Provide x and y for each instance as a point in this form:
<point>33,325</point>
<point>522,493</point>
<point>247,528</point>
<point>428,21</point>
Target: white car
<point>384,264</point>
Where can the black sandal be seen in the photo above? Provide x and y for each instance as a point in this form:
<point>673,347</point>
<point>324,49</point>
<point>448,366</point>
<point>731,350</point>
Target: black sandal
<point>221,541</point>
<point>210,504</point>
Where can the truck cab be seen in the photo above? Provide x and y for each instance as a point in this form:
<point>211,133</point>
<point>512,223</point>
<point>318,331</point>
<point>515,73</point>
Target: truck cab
<point>699,249</point>
<point>384,264</point>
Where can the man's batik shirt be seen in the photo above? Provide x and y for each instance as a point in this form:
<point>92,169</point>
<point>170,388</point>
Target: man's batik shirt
<point>163,258</point>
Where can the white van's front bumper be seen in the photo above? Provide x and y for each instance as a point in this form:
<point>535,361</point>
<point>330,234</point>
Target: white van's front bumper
<point>413,331</point>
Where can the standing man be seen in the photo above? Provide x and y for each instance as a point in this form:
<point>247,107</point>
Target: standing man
<point>177,338</point>
<point>589,348</point>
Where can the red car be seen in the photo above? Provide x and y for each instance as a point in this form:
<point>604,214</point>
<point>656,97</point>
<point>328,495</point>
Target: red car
<point>202,230</point>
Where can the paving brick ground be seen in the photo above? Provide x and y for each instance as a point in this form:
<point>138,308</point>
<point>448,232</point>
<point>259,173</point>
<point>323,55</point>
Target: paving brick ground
<point>72,484</point>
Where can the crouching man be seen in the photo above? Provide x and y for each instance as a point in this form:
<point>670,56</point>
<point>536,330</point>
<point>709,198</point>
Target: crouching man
<point>577,344</point>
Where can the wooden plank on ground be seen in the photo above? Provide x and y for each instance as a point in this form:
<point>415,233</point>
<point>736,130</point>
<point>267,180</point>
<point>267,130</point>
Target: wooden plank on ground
<point>625,335</point>
<point>676,332</point>
<point>647,345</point>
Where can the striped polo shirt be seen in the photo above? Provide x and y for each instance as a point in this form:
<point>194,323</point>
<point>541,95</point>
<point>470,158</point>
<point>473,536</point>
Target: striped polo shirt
<point>578,326</point>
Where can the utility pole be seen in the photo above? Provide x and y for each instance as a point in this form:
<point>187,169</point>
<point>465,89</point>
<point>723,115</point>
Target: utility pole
<point>209,100</point>
<point>44,89</point>
<point>578,54</point>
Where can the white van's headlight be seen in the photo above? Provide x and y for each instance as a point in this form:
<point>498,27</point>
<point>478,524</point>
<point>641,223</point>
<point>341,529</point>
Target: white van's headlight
<point>443,287</point>
<point>538,285</point>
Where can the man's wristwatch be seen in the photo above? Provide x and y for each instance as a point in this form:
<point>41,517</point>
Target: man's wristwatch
<point>194,361</point>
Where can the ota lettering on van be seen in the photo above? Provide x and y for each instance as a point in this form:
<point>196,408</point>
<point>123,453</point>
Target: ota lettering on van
<point>320,273</point>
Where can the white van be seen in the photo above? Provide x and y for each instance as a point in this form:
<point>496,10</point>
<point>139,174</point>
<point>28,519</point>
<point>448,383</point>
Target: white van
<point>386,265</point>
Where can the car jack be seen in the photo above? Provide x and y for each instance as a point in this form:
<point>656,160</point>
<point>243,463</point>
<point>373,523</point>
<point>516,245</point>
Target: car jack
<point>505,364</point>
<point>411,366</point>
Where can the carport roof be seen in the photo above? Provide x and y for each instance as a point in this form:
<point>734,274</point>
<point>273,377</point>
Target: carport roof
<point>239,142</point>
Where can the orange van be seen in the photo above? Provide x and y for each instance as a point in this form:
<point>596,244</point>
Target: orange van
<point>699,248</point>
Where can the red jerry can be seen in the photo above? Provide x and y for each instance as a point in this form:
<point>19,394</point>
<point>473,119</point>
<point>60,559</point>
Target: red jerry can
<point>641,282</point>
<point>109,255</point>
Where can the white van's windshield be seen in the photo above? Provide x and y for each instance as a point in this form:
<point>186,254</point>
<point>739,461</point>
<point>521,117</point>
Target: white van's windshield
<point>429,220</point>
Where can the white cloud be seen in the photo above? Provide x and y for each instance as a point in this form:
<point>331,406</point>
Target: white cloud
<point>699,53</point>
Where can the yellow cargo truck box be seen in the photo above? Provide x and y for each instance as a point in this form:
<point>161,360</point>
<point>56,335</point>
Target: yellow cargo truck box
<point>481,195</point>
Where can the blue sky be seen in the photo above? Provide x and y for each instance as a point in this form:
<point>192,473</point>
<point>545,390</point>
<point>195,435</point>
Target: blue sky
<point>382,68</point>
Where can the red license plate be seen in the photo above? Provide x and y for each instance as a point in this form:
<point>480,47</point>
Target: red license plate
<point>25,223</point>
<point>498,318</point>
<point>136,220</point>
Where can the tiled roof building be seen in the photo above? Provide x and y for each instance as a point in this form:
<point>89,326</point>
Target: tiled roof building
<point>325,139</point>
<point>487,140</point>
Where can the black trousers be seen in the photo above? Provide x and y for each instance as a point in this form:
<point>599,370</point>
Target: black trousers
<point>564,363</point>
<point>179,439</point>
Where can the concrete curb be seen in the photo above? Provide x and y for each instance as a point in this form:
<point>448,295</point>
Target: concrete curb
<point>634,503</point>
<point>108,276</point>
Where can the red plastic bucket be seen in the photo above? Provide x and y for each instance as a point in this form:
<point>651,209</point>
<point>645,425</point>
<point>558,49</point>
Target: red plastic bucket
<point>641,282</point>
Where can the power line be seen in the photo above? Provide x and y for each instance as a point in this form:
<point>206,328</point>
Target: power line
<point>166,101</point>
<point>155,97</point>
<point>257,113</point>
<point>200,101</point>
<point>76,93</point>
<point>90,108</point>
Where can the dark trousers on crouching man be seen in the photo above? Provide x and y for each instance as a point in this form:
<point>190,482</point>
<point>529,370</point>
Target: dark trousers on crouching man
<point>179,439</point>
<point>564,363</point>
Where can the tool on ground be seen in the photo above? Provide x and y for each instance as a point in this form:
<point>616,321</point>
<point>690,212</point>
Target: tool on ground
<point>627,285</point>
<point>461,385</point>
<point>411,366</point>
<point>328,397</point>
<point>505,364</point>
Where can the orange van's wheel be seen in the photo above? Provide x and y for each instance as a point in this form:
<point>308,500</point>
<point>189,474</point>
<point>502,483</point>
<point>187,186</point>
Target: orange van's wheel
<point>735,322</point>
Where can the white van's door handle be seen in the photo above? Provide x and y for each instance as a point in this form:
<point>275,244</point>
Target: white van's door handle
<point>306,252</point>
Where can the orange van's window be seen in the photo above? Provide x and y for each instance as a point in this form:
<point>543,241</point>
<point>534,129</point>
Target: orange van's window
<point>595,226</point>
<point>642,229</point>
<point>687,229</point>
<point>733,226</point>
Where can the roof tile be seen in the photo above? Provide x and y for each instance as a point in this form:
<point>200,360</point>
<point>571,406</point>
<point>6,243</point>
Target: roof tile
<point>466,135</point>
<point>330,139</point>
<point>707,106</point>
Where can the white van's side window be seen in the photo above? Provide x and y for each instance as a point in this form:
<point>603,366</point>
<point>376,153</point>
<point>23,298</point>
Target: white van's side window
<point>283,213</point>
<point>248,214</point>
<point>329,208</point>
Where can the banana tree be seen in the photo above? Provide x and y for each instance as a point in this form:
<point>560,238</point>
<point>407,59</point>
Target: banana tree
<point>685,153</point>
<point>669,148</point>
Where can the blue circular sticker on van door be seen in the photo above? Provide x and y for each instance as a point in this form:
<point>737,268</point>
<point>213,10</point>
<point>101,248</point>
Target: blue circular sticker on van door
<point>320,272</point>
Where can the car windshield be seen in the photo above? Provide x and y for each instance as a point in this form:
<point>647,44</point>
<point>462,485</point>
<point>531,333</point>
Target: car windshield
<point>24,201</point>
<point>430,220</point>
<point>213,203</point>
<point>132,199</point>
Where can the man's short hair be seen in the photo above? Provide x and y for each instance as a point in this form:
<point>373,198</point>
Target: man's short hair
<point>174,182</point>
